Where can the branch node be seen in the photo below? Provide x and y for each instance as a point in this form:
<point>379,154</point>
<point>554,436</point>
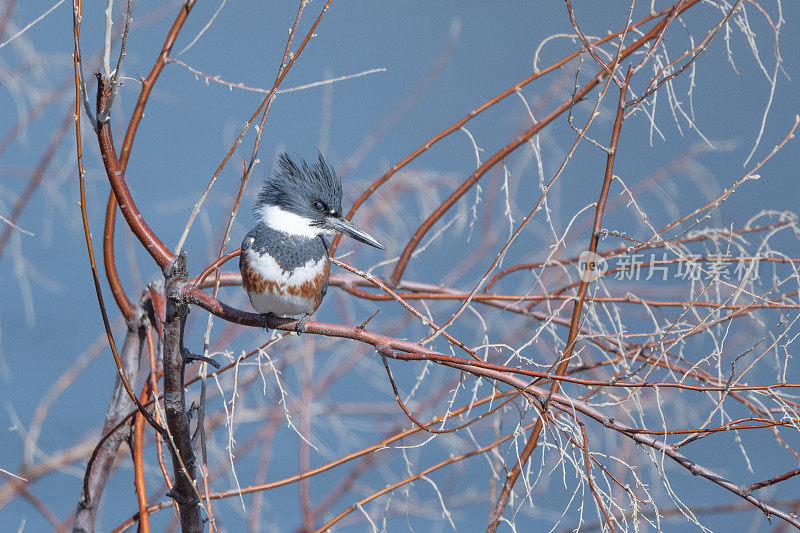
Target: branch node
<point>182,500</point>
<point>361,326</point>
<point>189,358</point>
<point>176,268</point>
<point>384,350</point>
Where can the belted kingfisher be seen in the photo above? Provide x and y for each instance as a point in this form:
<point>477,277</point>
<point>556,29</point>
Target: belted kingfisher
<point>284,259</point>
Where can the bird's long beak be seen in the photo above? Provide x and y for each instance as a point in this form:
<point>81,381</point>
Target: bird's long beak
<point>342,225</point>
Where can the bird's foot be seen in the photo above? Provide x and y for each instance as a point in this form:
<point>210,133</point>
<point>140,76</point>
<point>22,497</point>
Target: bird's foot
<point>300,326</point>
<point>189,357</point>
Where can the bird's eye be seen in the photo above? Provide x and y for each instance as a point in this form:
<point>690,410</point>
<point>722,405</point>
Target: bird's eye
<point>319,206</point>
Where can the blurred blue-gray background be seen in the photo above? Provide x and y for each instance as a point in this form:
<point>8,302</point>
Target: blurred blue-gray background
<point>435,61</point>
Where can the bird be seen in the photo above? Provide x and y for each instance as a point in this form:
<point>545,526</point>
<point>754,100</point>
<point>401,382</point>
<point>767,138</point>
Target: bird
<point>284,258</point>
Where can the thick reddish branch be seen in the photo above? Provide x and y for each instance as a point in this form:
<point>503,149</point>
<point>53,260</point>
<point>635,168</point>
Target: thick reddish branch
<point>123,302</point>
<point>202,299</point>
<point>157,249</point>
<point>126,307</point>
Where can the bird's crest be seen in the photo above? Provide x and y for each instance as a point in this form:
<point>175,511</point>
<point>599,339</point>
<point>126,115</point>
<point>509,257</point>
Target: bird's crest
<point>291,182</point>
